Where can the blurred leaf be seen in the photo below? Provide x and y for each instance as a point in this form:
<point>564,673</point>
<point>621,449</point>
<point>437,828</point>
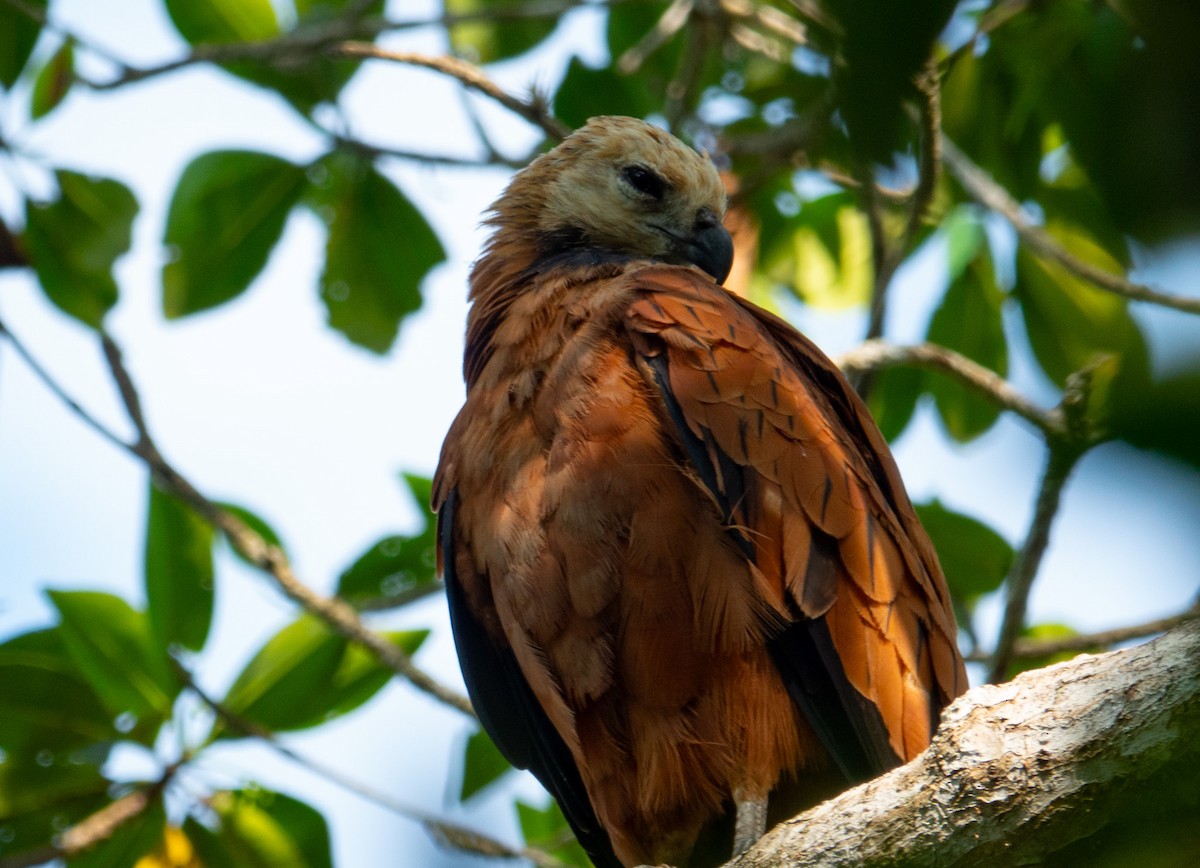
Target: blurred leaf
<point>305,83</point>
<point>54,81</point>
<point>395,564</point>
<point>1163,417</point>
<point>964,239</point>
<point>392,566</point>
<point>486,40</point>
<point>832,247</point>
<point>261,829</point>
<point>974,557</point>
<point>585,91</point>
<point>74,241</point>
<point>1069,320</point>
<point>173,850</point>
<point>30,784</point>
<point>969,322</point>
<point>18,34</point>
<point>483,764</point>
<point>977,95</point>
<point>1129,102</point>
<point>111,644</point>
<point>45,703</point>
<point>547,829</point>
<point>206,22</point>
<point>275,690</point>
<point>1045,632</point>
<point>32,830</point>
<point>380,248</point>
<point>179,572</point>
<point>226,214</point>
<point>256,524</point>
<point>893,399</point>
<point>883,48</point>
<point>130,843</point>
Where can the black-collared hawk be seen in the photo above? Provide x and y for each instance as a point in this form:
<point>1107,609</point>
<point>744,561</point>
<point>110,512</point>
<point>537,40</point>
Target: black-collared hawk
<point>687,587</point>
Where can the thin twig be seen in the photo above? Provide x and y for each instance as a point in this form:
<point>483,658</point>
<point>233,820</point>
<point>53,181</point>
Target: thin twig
<point>1059,464</point>
<point>877,354</point>
<point>1065,450</point>
<point>929,117</point>
<point>268,558</point>
<point>335,612</point>
<point>1024,649</point>
<point>96,828</point>
<point>671,22</point>
<point>772,20</point>
<point>50,383</point>
<point>454,834</point>
<point>470,75</point>
<point>983,189</point>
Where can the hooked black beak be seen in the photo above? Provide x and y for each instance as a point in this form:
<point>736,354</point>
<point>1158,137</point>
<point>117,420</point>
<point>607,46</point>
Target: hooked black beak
<point>710,246</point>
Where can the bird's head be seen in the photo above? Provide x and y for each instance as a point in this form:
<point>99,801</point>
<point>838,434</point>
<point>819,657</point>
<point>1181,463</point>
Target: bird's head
<point>620,184</point>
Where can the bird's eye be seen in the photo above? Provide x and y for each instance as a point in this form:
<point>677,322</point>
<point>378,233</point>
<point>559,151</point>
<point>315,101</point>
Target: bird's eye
<point>645,181</point>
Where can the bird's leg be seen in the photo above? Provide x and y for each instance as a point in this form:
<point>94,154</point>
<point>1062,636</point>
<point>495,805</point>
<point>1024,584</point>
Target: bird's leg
<point>750,819</point>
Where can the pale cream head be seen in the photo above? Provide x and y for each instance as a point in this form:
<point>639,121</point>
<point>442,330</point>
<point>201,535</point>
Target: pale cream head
<point>624,185</point>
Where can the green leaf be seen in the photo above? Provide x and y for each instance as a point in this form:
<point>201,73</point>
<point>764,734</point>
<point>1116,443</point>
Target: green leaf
<point>969,322</point>
<point>379,250</point>
<point>1044,632</point>
<point>32,830</point>
<point>974,557</point>
<point>131,841</point>
<point>18,35</point>
<point>204,22</point>
<point>893,399</point>
<point>1163,417</point>
<point>486,39</point>
<point>832,250</point>
<point>546,828</point>
<point>315,80</point>
<point>262,829</point>
<point>45,703</point>
<point>54,81</point>
<point>275,690</point>
<point>74,241</point>
<point>179,572</point>
<point>483,764</point>
<point>584,92</point>
<point>395,564</point>
<point>112,647</point>
<point>1069,321</point>
<point>226,214</point>
<point>255,523</point>
<point>30,784</point>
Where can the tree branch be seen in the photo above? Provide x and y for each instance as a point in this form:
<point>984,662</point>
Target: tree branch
<point>877,354</point>
<point>1020,771</point>
<point>1024,649</point>
<point>338,614</point>
<point>980,186</point>
<point>534,110</point>
<point>457,836</point>
<point>1066,448</point>
<point>335,612</point>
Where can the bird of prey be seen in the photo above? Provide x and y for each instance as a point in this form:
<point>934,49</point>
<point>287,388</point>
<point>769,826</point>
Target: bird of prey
<point>687,587</point>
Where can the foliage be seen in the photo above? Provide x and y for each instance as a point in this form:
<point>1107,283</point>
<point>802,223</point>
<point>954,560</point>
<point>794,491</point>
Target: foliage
<point>1080,109</point>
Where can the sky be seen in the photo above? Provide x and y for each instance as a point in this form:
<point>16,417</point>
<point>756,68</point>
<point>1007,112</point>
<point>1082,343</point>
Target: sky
<point>260,404</point>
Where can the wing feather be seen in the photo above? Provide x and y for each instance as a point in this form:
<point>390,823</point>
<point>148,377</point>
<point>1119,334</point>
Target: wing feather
<point>810,493</point>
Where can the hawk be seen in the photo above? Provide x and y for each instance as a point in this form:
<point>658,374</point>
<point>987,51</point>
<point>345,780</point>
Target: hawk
<point>687,587</point>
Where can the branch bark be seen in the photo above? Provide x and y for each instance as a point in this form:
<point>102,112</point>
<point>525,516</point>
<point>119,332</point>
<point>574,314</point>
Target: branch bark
<point>1024,770</point>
